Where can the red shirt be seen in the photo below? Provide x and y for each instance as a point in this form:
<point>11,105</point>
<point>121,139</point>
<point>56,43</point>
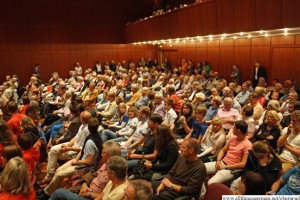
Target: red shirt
<point>31,157</point>
<point>14,123</point>
<point>6,196</point>
<point>177,103</point>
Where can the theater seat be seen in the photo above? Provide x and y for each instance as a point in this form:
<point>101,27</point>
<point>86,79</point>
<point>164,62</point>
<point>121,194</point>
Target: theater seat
<point>216,190</point>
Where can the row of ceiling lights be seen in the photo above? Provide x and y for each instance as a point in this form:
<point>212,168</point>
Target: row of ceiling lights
<point>252,34</point>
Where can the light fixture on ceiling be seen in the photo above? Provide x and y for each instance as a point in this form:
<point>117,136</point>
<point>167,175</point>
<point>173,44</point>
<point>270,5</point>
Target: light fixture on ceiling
<point>224,36</point>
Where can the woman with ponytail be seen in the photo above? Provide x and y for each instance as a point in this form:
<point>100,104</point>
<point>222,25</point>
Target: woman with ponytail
<point>263,160</point>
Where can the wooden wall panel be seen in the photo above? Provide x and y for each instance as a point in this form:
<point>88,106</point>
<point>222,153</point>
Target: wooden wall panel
<point>242,42</point>
<point>17,39</point>
<point>209,16</point>
<point>262,41</point>
<point>4,64</point>
<point>164,24</point>
<point>191,53</point>
<point>268,14</point>
<point>213,57</point>
<point>201,54</point>
<point>290,13</point>
<point>282,63</point>
<point>225,14</point>
<point>283,40</point>
<point>296,70</point>
<point>226,61</point>
<point>3,41</point>
<point>60,61</point>
<point>244,13</point>
<point>21,68</point>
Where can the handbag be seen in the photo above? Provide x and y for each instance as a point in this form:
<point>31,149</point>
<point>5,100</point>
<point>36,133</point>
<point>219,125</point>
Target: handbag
<point>140,171</point>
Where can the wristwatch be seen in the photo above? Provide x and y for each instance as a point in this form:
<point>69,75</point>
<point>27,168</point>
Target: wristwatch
<point>172,187</point>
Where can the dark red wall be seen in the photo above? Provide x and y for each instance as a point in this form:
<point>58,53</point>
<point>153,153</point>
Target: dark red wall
<point>57,33</point>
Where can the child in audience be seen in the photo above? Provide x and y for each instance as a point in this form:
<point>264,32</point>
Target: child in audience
<point>199,126</point>
<point>31,154</point>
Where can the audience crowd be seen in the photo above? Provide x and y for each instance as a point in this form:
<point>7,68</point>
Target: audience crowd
<point>148,131</point>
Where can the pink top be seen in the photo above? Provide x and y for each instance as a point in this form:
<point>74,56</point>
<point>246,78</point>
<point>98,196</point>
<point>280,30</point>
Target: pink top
<point>236,150</point>
<point>99,183</point>
<point>231,114</point>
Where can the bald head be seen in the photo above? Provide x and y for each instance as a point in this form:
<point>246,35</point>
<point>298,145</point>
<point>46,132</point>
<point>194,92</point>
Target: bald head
<point>85,116</point>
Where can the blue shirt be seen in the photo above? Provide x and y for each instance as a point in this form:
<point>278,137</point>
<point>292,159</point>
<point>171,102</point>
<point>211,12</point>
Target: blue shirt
<point>242,97</point>
<point>198,129</point>
<point>292,182</point>
<point>211,113</point>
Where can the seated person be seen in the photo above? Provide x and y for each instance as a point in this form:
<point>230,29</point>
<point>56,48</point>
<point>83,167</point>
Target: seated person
<point>15,181</point>
<point>286,120</point>
<point>89,155</point>
<point>134,95</point>
<point>146,143</point>
<point>247,113</point>
<point>66,150</point>
<point>252,183</point>
<point>212,141</point>
<point>186,176</point>
<point>289,181</point>
<point>262,160</point>
<point>60,134</point>
<point>125,131</point>
<point>289,142</point>
<point>110,109</point>
<point>118,121</point>
<point>94,181</point>
<point>159,105</point>
<point>184,122</point>
<point>31,153</point>
<point>138,189</point>
<point>166,149</point>
<point>269,130</point>
<point>177,103</point>
<point>213,109</point>
<point>142,128</point>
<point>89,96</point>
<point>143,100</point>
<point>233,155</point>
<point>100,106</point>
<point>199,126</point>
<point>171,115</point>
<point>228,114</point>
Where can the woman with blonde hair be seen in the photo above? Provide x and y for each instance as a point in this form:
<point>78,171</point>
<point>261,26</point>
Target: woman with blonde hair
<point>261,95</point>
<point>213,140</point>
<point>15,181</point>
<point>272,105</point>
<point>269,130</point>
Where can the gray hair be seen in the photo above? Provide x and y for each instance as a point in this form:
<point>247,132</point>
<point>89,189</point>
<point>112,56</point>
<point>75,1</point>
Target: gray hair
<point>112,148</point>
<point>118,165</point>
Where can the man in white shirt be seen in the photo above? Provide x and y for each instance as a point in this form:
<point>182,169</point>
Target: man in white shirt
<point>171,115</point>
<point>66,151</point>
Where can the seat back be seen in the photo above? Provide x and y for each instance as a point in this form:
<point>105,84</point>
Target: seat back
<point>216,190</point>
